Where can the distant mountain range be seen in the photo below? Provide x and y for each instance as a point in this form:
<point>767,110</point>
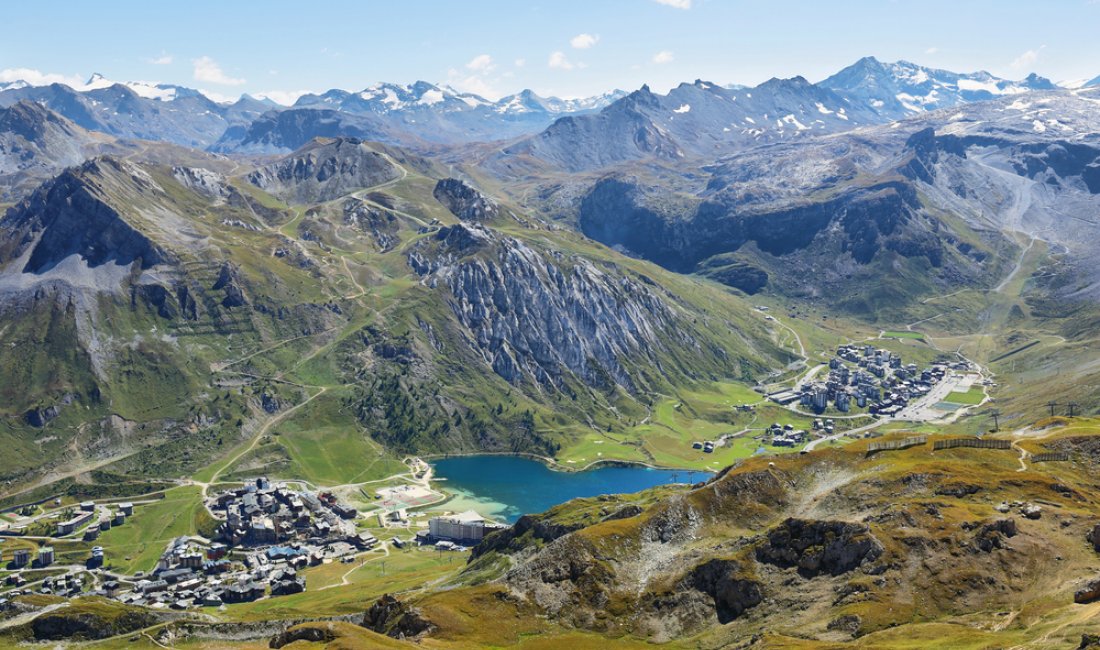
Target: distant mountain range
<point>701,120</point>
<point>706,120</point>
<point>692,119</point>
<point>188,118</point>
<point>697,118</point>
<point>407,114</point>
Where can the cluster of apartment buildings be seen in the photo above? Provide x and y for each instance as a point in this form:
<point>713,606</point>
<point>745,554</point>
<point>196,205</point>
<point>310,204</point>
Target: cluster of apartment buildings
<point>190,575</point>
<point>785,435</point>
<point>261,513</point>
<point>269,533</point>
<point>870,378</point>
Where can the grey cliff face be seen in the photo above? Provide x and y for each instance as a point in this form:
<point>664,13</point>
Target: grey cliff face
<point>535,316</point>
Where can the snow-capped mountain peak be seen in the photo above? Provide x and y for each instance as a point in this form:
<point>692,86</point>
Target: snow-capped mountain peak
<point>903,88</point>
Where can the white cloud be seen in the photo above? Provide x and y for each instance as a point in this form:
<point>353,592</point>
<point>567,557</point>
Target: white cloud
<point>559,61</point>
<point>283,97</point>
<point>37,78</point>
<point>664,56</point>
<point>679,4</point>
<point>932,50</point>
<point>584,41</point>
<point>163,59</point>
<point>479,76</point>
<point>218,97</point>
<point>481,63</point>
<point>521,62</point>
<point>472,83</point>
<point>208,70</point>
<point>1027,58</point>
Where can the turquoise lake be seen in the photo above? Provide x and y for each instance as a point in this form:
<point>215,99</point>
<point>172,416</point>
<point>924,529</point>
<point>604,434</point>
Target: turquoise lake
<point>505,487</point>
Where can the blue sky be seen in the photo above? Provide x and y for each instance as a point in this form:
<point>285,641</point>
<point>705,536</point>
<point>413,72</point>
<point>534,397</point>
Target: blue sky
<point>566,47</point>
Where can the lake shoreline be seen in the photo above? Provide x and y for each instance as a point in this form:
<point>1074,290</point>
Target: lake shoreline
<point>507,486</point>
<point>556,466</point>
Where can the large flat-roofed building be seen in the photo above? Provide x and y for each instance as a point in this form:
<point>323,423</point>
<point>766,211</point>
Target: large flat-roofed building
<point>67,527</point>
<point>466,527</point>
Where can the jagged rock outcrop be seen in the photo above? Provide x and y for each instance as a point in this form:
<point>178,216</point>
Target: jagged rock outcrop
<point>229,282</point>
<point>925,154</point>
<point>991,536</point>
<point>396,619</point>
<point>716,591</point>
<point>270,403</point>
<point>463,201</point>
<point>625,512</point>
<point>819,547</point>
<point>536,315</point>
<point>324,170</point>
<point>724,581</point>
<point>41,416</point>
<point>203,181</point>
<point>1093,537</point>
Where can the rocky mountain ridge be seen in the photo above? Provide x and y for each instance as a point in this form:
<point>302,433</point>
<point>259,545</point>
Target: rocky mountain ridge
<point>36,143</point>
<point>323,171</point>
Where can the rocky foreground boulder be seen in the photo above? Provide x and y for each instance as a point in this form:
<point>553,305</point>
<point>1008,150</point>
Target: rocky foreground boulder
<point>1088,593</point>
